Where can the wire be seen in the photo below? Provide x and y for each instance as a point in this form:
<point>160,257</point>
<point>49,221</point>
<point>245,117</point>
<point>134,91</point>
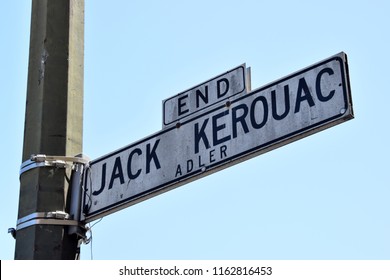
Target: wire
<point>98,221</point>
<point>89,240</point>
<point>91,248</point>
<point>88,194</point>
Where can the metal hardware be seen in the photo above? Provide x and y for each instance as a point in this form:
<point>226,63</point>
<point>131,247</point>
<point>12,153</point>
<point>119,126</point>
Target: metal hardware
<point>76,159</point>
<point>72,219</point>
<point>48,222</point>
<point>47,218</point>
<point>60,215</point>
<point>44,215</point>
<point>12,231</point>
<point>50,161</point>
<point>76,186</point>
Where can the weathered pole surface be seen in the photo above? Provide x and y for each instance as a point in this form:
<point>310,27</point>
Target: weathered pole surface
<point>53,123</point>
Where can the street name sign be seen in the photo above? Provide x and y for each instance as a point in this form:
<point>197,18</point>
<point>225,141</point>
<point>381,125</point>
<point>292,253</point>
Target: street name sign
<point>225,134</point>
<point>205,95</point>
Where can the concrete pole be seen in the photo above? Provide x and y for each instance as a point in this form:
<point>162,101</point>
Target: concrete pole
<point>53,123</point>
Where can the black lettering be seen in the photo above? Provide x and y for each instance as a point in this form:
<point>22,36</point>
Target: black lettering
<point>190,165</point>
<point>178,171</point>
<point>129,172</point>
<point>212,155</point>
<point>151,155</point>
<point>182,104</point>
<point>320,96</point>
<point>264,112</point>
<point>222,150</point>
<point>219,91</point>
<point>217,128</point>
<point>201,135</point>
<point>200,164</point>
<point>117,172</point>
<point>104,167</point>
<point>275,114</point>
<point>205,97</point>
<point>239,119</point>
<point>303,88</point>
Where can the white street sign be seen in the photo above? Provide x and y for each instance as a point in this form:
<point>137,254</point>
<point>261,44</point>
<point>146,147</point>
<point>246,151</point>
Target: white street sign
<point>204,95</point>
<point>279,113</point>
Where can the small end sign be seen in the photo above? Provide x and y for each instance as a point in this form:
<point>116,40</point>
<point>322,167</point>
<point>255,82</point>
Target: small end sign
<point>204,95</point>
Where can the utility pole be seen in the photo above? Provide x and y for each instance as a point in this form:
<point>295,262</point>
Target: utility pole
<point>53,127</point>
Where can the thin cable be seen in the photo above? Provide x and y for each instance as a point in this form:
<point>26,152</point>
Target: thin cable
<point>96,222</point>
<point>90,239</point>
<point>91,247</point>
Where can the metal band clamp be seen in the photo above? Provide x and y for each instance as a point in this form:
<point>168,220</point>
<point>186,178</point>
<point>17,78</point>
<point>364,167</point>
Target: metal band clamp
<point>50,161</point>
<point>47,218</point>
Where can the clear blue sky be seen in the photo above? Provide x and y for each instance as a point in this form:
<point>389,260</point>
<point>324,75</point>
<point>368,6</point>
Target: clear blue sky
<point>324,197</point>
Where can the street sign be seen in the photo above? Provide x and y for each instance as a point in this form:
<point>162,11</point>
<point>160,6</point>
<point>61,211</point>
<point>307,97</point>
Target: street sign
<point>205,95</point>
<point>279,113</point>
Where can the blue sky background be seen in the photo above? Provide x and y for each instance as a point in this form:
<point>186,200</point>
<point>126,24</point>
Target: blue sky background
<point>324,197</point>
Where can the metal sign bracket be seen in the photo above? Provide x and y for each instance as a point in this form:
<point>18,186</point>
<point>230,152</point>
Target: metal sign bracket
<point>61,218</point>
